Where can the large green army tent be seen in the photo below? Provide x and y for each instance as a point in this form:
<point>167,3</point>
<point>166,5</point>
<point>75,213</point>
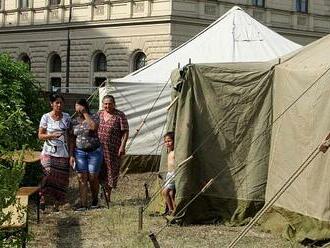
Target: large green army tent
<point>221,118</point>
<point>248,127</point>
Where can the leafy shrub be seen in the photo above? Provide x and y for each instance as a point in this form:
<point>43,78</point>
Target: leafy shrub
<point>20,105</point>
<point>11,174</point>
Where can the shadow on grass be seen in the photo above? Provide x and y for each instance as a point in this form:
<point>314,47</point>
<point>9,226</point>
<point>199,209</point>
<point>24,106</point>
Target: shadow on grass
<point>69,233</point>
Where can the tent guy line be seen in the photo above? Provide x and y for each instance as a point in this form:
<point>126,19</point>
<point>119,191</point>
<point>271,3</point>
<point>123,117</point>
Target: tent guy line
<point>133,107</point>
<point>180,165</point>
<point>142,124</point>
<point>160,143</point>
<point>147,115</point>
<point>277,195</point>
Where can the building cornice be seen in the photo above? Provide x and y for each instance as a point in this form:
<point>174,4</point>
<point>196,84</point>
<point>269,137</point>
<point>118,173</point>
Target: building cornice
<point>142,21</point>
<point>88,24</point>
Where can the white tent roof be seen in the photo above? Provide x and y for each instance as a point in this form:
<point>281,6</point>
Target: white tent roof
<point>234,37</point>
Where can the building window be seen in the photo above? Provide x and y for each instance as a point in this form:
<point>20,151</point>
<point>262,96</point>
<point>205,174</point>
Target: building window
<point>26,60</point>
<point>54,2</point>
<point>302,6</point>
<point>0,5</point>
<point>55,63</point>
<point>98,81</point>
<point>100,63</point>
<point>55,83</point>
<point>139,61</point>
<point>23,4</point>
<point>260,3</point>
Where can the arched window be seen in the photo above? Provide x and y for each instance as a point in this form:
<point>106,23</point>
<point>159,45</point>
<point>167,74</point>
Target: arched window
<point>100,63</point>
<point>139,60</point>
<point>26,60</point>
<point>55,63</point>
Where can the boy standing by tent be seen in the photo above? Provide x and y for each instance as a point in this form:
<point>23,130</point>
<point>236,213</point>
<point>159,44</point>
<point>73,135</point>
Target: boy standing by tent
<point>169,186</point>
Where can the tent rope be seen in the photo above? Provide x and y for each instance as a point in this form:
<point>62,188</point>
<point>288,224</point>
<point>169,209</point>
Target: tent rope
<point>260,135</point>
<point>209,183</point>
<point>277,195</point>
<point>160,143</point>
<point>184,162</point>
<point>149,179</point>
<point>147,115</point>
<point>143,122</point>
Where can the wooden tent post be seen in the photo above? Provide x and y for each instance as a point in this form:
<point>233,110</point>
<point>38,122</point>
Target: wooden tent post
<point>140,218</point>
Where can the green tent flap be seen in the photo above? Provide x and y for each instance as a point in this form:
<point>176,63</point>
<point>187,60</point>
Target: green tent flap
<point>222,118</point>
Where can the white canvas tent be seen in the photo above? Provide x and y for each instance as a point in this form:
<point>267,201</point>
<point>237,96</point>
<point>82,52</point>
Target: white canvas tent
<point>234,37</point>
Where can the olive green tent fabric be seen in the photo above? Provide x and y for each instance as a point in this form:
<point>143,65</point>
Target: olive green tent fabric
<point>222,118</point>
<point>294,226</point>
<point>302,90</point>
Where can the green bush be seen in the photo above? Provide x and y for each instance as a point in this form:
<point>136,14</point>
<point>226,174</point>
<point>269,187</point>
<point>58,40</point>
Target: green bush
<point>20,106</point>
<point>11,174</point>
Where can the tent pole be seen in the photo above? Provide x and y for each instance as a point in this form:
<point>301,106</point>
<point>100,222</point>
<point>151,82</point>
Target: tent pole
<point>172,103</point>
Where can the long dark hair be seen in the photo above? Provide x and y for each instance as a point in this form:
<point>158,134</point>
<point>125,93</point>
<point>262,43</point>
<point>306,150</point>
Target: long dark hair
<point>83,102</point>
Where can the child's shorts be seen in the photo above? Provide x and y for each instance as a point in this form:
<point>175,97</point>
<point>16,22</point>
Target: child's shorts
<point>169,180</point>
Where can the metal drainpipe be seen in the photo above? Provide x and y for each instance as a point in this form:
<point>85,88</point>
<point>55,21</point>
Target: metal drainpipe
<point>68,50</point>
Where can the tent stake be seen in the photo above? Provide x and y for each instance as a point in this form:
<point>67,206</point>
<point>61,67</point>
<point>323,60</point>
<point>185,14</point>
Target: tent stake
<point>146,191</point>
<point>152,236</point>
<point>140,218</point>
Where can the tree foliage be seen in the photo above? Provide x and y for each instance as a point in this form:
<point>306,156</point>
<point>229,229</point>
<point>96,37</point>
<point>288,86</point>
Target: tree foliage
<point>11,174</point>
<point>21,105</point>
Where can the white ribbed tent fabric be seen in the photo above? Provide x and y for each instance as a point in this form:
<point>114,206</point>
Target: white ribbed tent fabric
<point>234,37</point>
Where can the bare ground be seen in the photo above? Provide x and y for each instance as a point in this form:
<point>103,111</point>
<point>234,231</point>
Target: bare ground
<point>118,226</point>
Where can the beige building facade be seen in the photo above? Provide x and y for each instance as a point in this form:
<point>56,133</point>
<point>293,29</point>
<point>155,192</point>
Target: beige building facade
<point>103,39</point>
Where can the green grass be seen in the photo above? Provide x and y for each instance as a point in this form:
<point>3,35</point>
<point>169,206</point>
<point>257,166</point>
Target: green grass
<point>118,226</point>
